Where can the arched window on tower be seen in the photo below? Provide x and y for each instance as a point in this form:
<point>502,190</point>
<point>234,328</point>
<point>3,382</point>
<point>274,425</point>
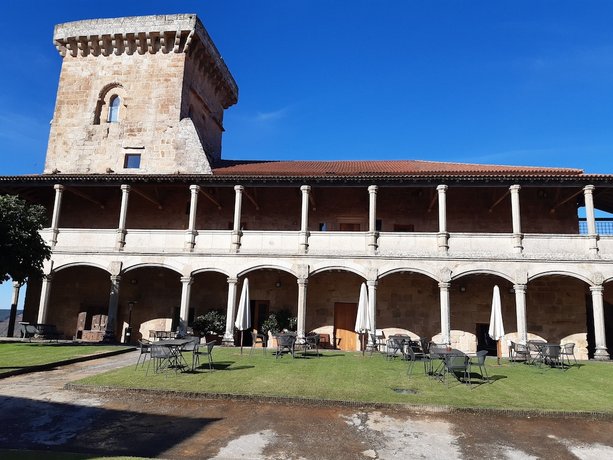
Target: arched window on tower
<point>114,109</point>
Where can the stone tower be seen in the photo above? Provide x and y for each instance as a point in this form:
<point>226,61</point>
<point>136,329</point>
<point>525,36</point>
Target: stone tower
<point>138,95</point>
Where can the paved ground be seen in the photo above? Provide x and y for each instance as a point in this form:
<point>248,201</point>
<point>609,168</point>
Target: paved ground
<point>37,413</point>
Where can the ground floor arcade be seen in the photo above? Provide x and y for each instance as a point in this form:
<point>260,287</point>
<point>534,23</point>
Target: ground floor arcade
<point>445,303</point>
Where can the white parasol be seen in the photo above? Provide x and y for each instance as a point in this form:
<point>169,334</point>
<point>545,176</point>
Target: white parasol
<point>496,330</point>
<point>362,319</point>
<point>243,315</point>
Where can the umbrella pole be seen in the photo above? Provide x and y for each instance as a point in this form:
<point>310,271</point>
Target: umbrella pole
<point>242,334</point>
<point>362,341</point>
<point>498,350</point>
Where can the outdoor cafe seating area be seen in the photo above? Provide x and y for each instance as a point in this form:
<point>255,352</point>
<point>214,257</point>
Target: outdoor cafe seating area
<point>541,353</point>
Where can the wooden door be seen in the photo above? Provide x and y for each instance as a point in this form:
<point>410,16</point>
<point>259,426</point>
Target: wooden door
<point>344,322</point>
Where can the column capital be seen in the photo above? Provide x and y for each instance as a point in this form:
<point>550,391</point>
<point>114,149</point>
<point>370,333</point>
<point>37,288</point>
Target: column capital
<point>48,278</point>
<point>443,285</point>
<point>588,189</point>
<point>239,188</point>
<point>125,188</point>
<point>232,280</point>
<point>599,288</point>
<point>194,188</point>
<point>16,285</point>
<point>441,188</point>
<point>520,287</point>
<point>115,278</point>
<point>302,281</point>
<point>373,188</point>
<point>58,187</point>
<point>372,283</point>
<point>515,188</point>
<point>187,279</point>
<point>305,188</point>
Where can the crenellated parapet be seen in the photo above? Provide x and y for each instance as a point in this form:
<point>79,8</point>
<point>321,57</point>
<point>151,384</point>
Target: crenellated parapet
<point>140,35</point>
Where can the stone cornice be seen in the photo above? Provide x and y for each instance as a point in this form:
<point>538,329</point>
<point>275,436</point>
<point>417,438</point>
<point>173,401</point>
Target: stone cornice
<point>179,33</point>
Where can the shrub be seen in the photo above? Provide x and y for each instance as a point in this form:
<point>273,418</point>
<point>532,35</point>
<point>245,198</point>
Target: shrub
<point>212,322</point>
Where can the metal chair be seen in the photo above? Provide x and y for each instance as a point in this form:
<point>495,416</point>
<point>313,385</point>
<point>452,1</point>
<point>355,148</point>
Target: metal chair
<point>161,356</point>
<point>392,347</point>
<point>567,350</point>
<point>203,350</point>
<point>144,346</point>
<point>285,342</point>
<point>551,355</point>
<point>480,362</point>
<point>413,357</point>
<point>257,339</point>
<point>457,363</point>
<point>519,351</point>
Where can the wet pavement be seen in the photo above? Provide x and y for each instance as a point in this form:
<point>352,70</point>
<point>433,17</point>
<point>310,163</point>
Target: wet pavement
<point>36,412</point>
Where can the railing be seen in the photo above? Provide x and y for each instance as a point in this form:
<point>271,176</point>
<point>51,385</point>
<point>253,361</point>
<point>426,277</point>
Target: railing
<point>390,244</point>
<point>604,226</point>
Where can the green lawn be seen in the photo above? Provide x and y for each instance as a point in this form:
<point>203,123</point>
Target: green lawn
<point>351,377</point>
<point>15,356</point>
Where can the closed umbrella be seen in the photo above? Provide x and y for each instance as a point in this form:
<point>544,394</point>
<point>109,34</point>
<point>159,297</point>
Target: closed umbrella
<point>362,319</point>
<point>496,330</point>
<point>243,315</point>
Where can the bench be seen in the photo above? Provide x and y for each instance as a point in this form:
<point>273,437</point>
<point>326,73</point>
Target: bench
<point>40,331</point>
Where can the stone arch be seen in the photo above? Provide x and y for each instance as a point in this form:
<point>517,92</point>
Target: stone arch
<point>409,270</point>
<point>556,272</point>
<point>266,267</point>
<point>154,265</point>
<point>209,270</point>
<point>349,269</point>
<point>482,271</point>
<point>105,95</point>
<point>79,264</point>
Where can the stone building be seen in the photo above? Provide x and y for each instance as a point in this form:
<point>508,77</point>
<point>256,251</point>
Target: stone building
<point>148,221</point>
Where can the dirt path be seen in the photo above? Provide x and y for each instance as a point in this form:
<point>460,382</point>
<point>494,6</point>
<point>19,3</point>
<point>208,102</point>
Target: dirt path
<point>36,412</point>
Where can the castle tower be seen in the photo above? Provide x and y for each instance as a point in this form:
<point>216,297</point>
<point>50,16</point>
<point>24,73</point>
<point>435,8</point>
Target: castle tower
<point>138,95</point>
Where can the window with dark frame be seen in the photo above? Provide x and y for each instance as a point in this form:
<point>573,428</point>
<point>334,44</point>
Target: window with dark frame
<point>131,161</point>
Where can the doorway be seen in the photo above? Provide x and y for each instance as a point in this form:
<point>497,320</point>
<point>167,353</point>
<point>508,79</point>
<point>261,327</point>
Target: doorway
<point>345,314</point>
<point>484,341</point>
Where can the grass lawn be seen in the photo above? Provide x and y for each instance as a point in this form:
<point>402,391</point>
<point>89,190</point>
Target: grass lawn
<point>27,354</point>
<point>345,376</point>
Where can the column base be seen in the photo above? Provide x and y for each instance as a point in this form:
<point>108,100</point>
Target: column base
<point>227,341</point>
<point>601,354</point>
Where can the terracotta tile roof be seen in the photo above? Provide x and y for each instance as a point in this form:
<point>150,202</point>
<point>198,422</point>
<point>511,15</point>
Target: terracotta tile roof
<point>380,168</point>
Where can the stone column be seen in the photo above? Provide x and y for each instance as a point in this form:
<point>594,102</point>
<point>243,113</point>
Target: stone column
<point>55,219</point>
<point>302,300</point>
<point>372,219</point>
<point>228,338</point>
<point>516,215</point>
<point>443,235</point>
<point>588,194</point>
<point>372,310</point>
<point>236,230</point>
<point>520,312</point>
<point>445,312</point>
<point>109,333</point>
<point>190,234</point>
<point>13,314</point>
<point>304,220</point>
<point>44,299</point>
<point>186,288</point>
<point>123,213</point>
<point>601,352</point>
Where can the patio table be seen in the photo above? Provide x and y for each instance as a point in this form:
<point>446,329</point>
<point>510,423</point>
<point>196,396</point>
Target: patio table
<point>176,351</point>
<point>438,354</point>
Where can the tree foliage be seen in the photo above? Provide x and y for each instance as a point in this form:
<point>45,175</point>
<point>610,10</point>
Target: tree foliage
<point>22,250</point>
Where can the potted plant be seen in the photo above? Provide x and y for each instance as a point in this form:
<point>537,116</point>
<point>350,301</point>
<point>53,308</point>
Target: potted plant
<point>210,325</point>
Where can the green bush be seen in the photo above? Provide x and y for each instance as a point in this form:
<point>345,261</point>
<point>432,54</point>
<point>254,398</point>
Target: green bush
<point>212,322</point>
<point>278,321</point>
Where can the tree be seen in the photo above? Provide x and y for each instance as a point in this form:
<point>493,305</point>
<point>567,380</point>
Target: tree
<point>22,249</point>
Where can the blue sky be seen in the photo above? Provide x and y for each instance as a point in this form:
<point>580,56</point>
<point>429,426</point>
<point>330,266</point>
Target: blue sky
<point>505,82</point>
